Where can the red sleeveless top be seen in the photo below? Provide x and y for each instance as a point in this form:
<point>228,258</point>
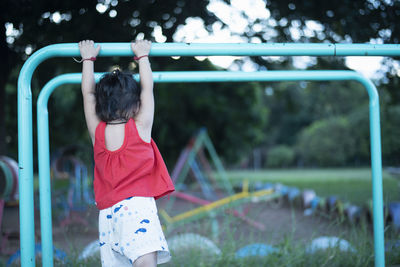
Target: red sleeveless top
<point>135,169</point>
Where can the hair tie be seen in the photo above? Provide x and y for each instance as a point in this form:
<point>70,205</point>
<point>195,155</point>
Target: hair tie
<point>115,72</point>
<point>138,58</point>
<point>83,59</point>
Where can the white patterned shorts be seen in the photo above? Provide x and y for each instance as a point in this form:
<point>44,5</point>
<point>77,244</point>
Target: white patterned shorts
<point>130,229</point>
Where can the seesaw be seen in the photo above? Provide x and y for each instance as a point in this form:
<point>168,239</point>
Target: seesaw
<point>212,208</point>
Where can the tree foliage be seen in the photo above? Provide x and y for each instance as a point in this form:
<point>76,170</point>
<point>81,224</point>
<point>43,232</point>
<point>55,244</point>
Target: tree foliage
<point>280,156</point>
<point>35,24</point>
<point>235,114</point>
<point>390,135</point>
<point>346,21</point>
<point>295,105</point>
<point>327,142</point>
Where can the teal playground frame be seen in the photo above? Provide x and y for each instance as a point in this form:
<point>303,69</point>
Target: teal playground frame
<point>25,149</point>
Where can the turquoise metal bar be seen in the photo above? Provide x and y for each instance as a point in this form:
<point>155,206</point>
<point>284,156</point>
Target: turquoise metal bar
<point>231,49</point>
<point>365,50</point>
<point>25,165</point>
<point>220,76</point>
<point>25,143</point>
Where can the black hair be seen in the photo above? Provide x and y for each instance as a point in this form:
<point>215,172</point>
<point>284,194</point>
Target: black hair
<point>117,96</point>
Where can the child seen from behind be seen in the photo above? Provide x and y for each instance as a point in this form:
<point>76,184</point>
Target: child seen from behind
<point>129,170</point>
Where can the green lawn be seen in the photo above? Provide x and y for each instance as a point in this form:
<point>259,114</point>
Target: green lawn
<point>353,185</point>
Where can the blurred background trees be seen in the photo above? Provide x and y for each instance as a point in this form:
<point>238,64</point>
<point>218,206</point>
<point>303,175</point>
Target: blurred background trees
<point>291,123</point>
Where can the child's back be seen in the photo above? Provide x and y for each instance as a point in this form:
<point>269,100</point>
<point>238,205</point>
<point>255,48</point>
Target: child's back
<point>115,135</point>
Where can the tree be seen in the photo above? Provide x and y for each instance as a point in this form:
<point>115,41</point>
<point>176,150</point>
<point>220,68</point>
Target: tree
<point>280,156</point>
<point>233,113</point>
<point>347,21</point>
<point>296,105</point>
<point>327,142</point>
<point>31,25</point>
<point>35,24</point>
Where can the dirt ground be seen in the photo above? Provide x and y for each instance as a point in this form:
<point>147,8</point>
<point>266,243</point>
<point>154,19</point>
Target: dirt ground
<point>281,220</point>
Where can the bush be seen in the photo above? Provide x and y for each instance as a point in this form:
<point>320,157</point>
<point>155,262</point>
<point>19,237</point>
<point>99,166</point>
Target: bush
<point>280,156</point>
<point>390,126</point>
<point>359,121</point>
<point>327,142</point>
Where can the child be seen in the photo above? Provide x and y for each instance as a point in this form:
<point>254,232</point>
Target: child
<point>129,170</point>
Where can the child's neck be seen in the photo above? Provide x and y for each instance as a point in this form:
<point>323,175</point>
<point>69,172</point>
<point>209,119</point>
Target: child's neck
<point>114,122</point>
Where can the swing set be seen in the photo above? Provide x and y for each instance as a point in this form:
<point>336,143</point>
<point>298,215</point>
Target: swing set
<point>25,135</point>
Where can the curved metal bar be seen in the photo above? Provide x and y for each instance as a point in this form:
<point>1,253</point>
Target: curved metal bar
<point>215,76</point>
<point>25,143</point>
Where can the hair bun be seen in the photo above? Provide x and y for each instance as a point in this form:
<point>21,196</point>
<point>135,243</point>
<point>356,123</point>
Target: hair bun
<point>115,72</point>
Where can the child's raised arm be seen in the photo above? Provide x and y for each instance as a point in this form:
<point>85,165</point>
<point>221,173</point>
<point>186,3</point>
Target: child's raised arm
<point>145,116</point>
<point>88,54</point>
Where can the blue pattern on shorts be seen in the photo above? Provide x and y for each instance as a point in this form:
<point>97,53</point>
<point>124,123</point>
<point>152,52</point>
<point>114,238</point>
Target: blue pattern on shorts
<point>143,224</point>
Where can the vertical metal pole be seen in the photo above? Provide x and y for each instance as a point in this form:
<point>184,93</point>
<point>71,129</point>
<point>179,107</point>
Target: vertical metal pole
<point>376,166</point>
<point>46,227</point>
<point>25,163</point>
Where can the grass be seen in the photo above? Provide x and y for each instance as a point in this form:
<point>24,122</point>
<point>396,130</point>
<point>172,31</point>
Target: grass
<point>353,185</point>
<point>291,250</point>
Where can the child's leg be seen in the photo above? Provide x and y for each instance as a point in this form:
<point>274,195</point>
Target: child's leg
<point>147,260</point>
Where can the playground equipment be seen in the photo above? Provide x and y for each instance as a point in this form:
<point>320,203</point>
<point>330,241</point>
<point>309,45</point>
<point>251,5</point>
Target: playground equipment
<point>8,194</point>
<point>178,245</point>
<point>91,250</point>
<point>353,213</point>
<point>221,204</point>
<point>174,49</point>
<point>171,77</point>
<point>193,158</point>
<point>394,208</point>
<point>203,245</point>
<point>60,255</point>
<point>255,250</point>
<point>223,76</point>
<point>394,214</point>
<point>79,195</point>
<point>8,179</point>
<point>329,242</point>
<point>333,206</point>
